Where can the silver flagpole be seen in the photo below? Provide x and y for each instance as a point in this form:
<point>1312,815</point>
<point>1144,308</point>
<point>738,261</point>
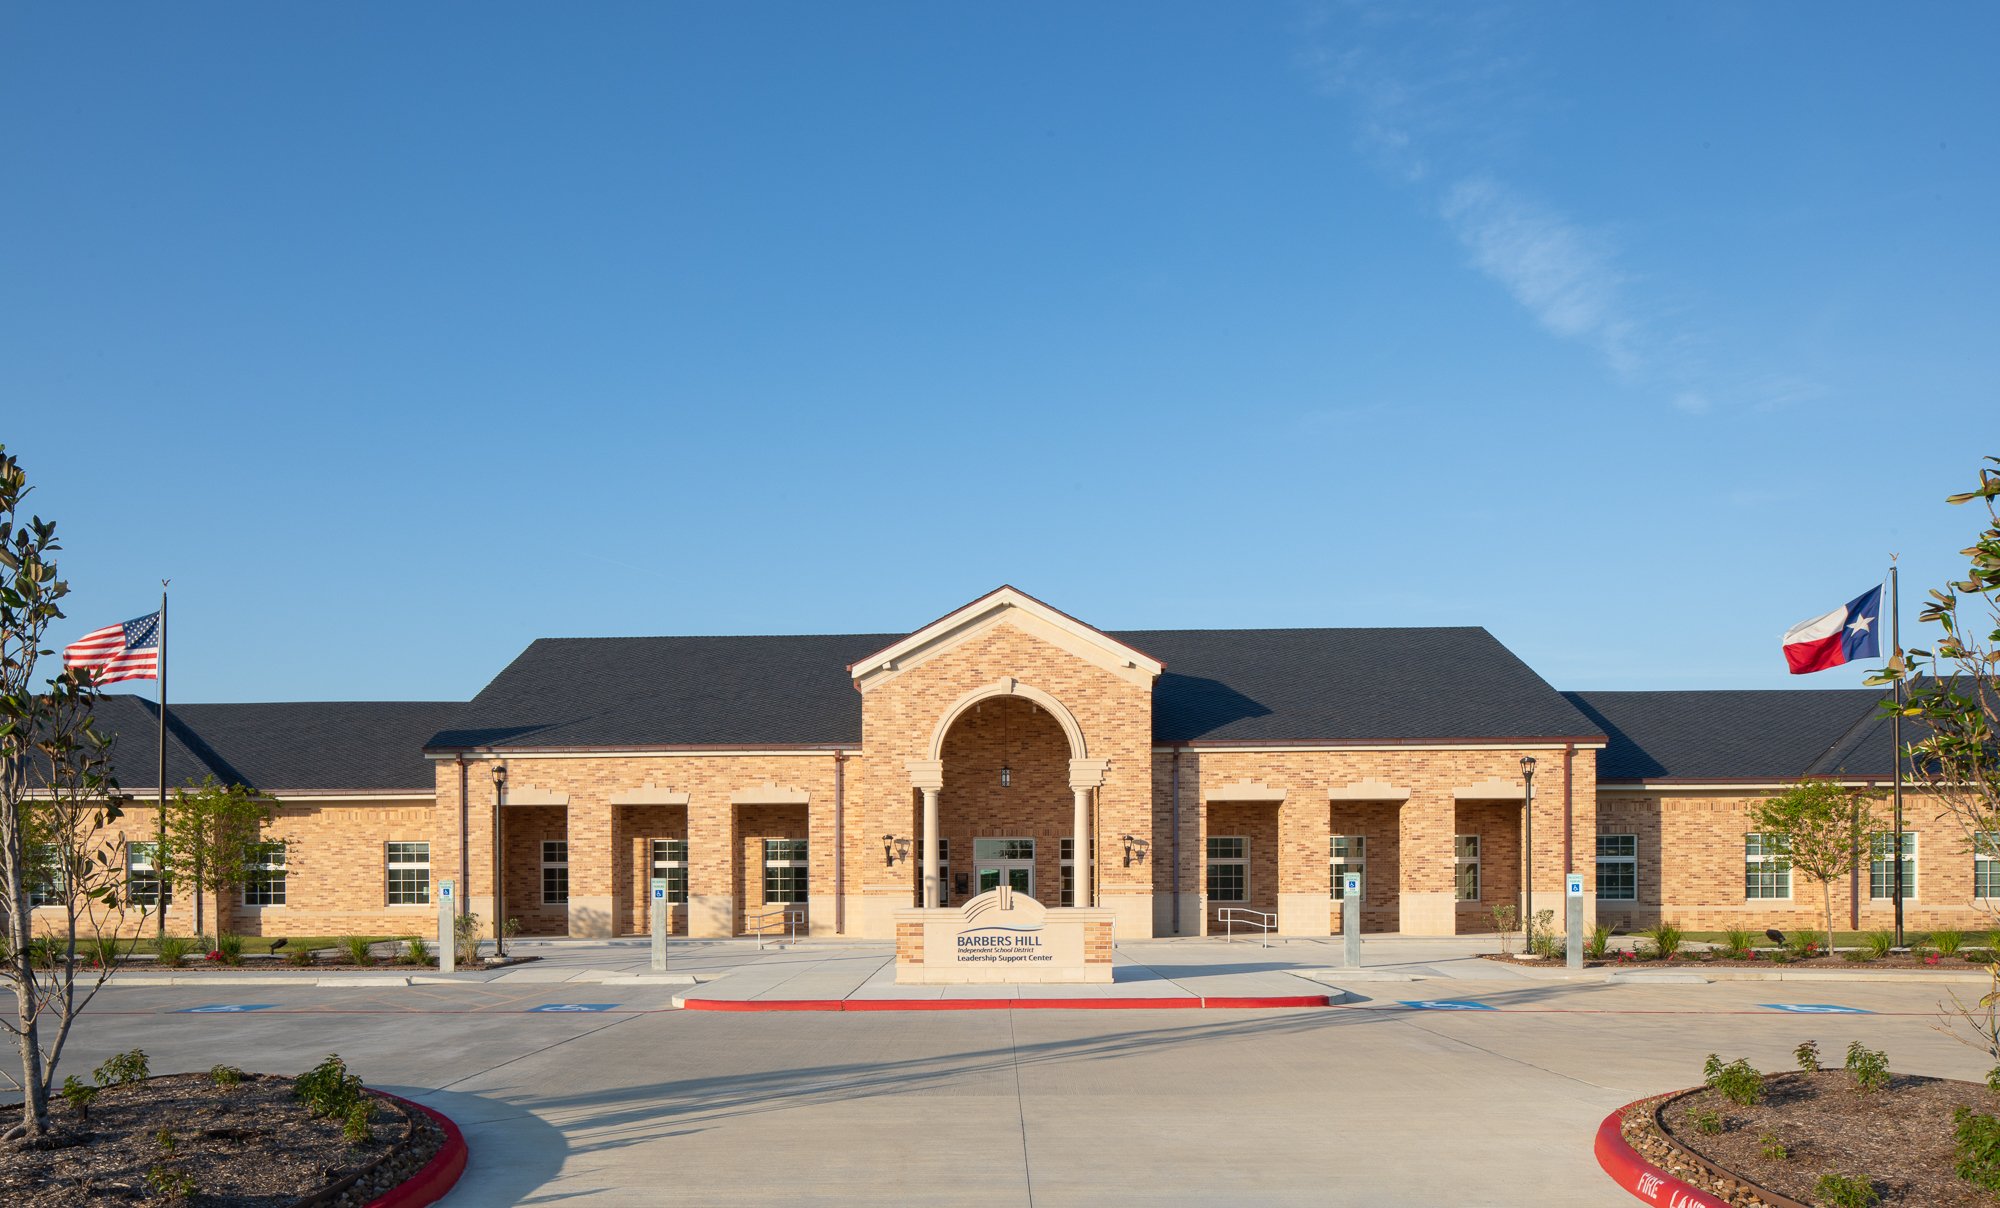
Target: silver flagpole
<point>160,814</point>
<point>1896,732</point>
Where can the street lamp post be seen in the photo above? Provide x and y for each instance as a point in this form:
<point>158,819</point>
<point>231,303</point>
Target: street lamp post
<point>499,834</point>
<point>1528,850</point>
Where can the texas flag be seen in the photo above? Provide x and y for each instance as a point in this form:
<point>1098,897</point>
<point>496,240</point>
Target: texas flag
<point>1841,636</point>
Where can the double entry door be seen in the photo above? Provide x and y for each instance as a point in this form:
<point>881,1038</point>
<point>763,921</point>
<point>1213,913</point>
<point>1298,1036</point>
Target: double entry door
<point>1009,862</point>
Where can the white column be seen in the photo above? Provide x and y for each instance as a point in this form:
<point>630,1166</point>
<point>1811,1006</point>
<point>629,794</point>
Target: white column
<point>1080,851</point>
<point>930,847</point>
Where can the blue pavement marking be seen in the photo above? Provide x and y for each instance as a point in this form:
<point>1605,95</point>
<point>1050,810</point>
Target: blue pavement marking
<point>573,1006</point>
<point>225,1008</point>
<point>1814,1008</point>
<point>1445,1004</point>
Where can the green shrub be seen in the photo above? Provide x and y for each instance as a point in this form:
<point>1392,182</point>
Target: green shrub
<point>1845,1191</point>
<point>1800,945</point>
<point>78,1096</point>
<point>1772,1148</point>
<point>229,948</point>
<point>1666,940</point>
<point>1870,1067</point>
<point>1879,943</point>
<point>174,949</point>
<point>354,1126</point>
<point>171,1186</point>
<point>1597,943</point>
<point>44,952</point>
<point>1704,1120</point>
<point>1948,940</point>
<point>1993,1080</point>
<point>416,951</point>
<point>225,1076</point>
<point>1736,943</point>
<point>122,1069</point>
<point>359,949</point>
<point>1857,956</point>
<point>300,957</point>
<point>465,936</point>
<point>1739,1082</point>
<point>1807,1056</point>
<point>328,1089</point>
<point>167,1142</point>
<point>104,951</point>
<point>1978,1138</point>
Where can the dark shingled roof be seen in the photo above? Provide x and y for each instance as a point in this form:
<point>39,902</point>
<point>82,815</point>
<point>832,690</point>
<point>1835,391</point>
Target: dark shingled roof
<point>1778,734</point>
<point>1242,685</point>
<point>293,746</point>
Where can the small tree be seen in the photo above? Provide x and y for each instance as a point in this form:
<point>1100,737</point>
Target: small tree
<point>57,801</point>
<point>1817,828</point>
<point>213,838</point>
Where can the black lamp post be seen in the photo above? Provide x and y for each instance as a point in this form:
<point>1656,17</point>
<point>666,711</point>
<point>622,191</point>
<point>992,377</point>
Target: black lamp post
<point>1528,849</point>
<point>499,835</point>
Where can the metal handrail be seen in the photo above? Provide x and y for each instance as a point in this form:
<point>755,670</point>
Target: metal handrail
<point>785,919</point>
<point>1229,916</point>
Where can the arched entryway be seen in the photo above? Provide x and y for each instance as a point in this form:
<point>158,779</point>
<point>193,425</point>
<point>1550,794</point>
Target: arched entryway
<point>1005,799</point>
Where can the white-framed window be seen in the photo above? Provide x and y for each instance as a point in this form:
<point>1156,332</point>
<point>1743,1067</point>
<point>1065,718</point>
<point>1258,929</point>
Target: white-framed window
<point>1617,868</point>
<point>143,883</point>
<point>46,875</point>
<point>1345,854</point>
<point>264,875</point>
<point>670,864</point>
<point>1465,867</point>
<point>1767,866</point>
<point>1986,864</point>
<point>1228,868</point>
<point>1882,869</point>
<point>409,873</point>
<point>555,872</point>
<point>785,871</point>
<point>1067,851</point>
<point>944,871</point>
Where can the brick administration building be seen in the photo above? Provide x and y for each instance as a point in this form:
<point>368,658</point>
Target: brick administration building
<point>1203,769</point>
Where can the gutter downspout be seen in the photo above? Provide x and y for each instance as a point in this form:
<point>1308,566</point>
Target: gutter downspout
<point>1569,847</point>
<point>839,843</point>
<point>464,857</point>
<point>1174,882</point>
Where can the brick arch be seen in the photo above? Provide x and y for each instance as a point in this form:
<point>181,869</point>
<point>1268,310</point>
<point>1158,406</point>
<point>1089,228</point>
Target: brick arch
<point>1072,730</point>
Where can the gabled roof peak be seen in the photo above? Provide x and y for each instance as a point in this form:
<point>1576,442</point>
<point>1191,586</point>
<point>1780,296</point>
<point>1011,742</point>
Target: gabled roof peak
<point>1085,640</point>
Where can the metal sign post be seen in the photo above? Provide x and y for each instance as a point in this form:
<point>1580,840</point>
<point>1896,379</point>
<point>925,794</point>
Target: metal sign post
<point>447,933</point>
<point>1350,917</point>
<point>659,925</point>
<point>1573,895</point>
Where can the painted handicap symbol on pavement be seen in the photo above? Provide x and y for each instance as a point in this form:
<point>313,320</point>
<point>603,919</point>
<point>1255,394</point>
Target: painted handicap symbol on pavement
<point>225,1008</point>
<point>1814,1008</point>
<point>572,1006</point>
<point>1445,1004</point>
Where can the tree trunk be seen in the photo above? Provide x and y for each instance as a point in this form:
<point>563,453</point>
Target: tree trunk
<point>21,934</point>
<point>1826,891</point>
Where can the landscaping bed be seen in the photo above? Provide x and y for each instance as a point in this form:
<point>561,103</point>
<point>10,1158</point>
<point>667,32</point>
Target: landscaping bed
<point>1771,958</point>
<point>207,1141</point>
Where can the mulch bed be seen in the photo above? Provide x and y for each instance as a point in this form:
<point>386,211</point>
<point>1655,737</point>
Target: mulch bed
<point>1899,1137</point>
<point>248,1146</point>
<point>1764,960</point>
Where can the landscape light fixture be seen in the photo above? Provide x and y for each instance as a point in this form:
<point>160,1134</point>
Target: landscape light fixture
<point>1528,849</point>
<point>499,834</point>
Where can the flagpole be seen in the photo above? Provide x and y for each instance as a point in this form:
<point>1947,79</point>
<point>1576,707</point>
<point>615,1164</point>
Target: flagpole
<point>1896,731</point>
<point>160,813</point>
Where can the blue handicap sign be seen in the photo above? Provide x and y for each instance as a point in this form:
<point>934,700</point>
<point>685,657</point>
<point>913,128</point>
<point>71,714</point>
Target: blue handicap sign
<point>225,1008</point>
<point>573,1006</point>
<point>1445,1004</point>
<point>1814,1008</point>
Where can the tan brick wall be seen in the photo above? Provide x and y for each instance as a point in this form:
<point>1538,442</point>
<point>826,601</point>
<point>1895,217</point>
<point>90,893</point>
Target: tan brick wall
<point>1257,823</point>
<point>636,827</point>
<point>1036,804</point>
<point>1375,822</point>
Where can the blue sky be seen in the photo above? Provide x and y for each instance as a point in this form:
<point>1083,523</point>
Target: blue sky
<point>398,337</point>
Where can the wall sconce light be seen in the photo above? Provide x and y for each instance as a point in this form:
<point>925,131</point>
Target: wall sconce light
<point>1135,850</point>
<point>894,849</point>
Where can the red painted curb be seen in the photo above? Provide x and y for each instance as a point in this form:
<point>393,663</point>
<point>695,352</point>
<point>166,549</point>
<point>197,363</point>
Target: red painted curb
<point>1640,1177</point>
<point>435,1177</point>
<point>1006,1004</point>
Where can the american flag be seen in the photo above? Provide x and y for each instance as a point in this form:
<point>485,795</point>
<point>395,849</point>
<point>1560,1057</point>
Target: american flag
<point>119,652</point>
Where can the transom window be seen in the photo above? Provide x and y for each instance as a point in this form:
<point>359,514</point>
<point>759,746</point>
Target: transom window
<point>1345,854</point>
<point>555,872</point>
<point>409,874</point>
<point>1882,867</point>
<point>1228,868</point>
<point>143,883</point>
<point>1986,865</point>
<point>1617,868</point>
<point>1465,860</point>
<point>670,864</point>
<point>784,870</point>
<point>1767,866</point>
<point>264,875</point>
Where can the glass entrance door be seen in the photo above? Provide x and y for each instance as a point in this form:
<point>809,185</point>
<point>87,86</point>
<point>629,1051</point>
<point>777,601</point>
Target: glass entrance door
<point>1009,862</point>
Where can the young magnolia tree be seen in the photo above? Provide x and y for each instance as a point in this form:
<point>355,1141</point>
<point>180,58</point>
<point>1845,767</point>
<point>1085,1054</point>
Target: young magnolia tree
<point>1820,829</point>
<point>57,803</point>
<point>214,841</point>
